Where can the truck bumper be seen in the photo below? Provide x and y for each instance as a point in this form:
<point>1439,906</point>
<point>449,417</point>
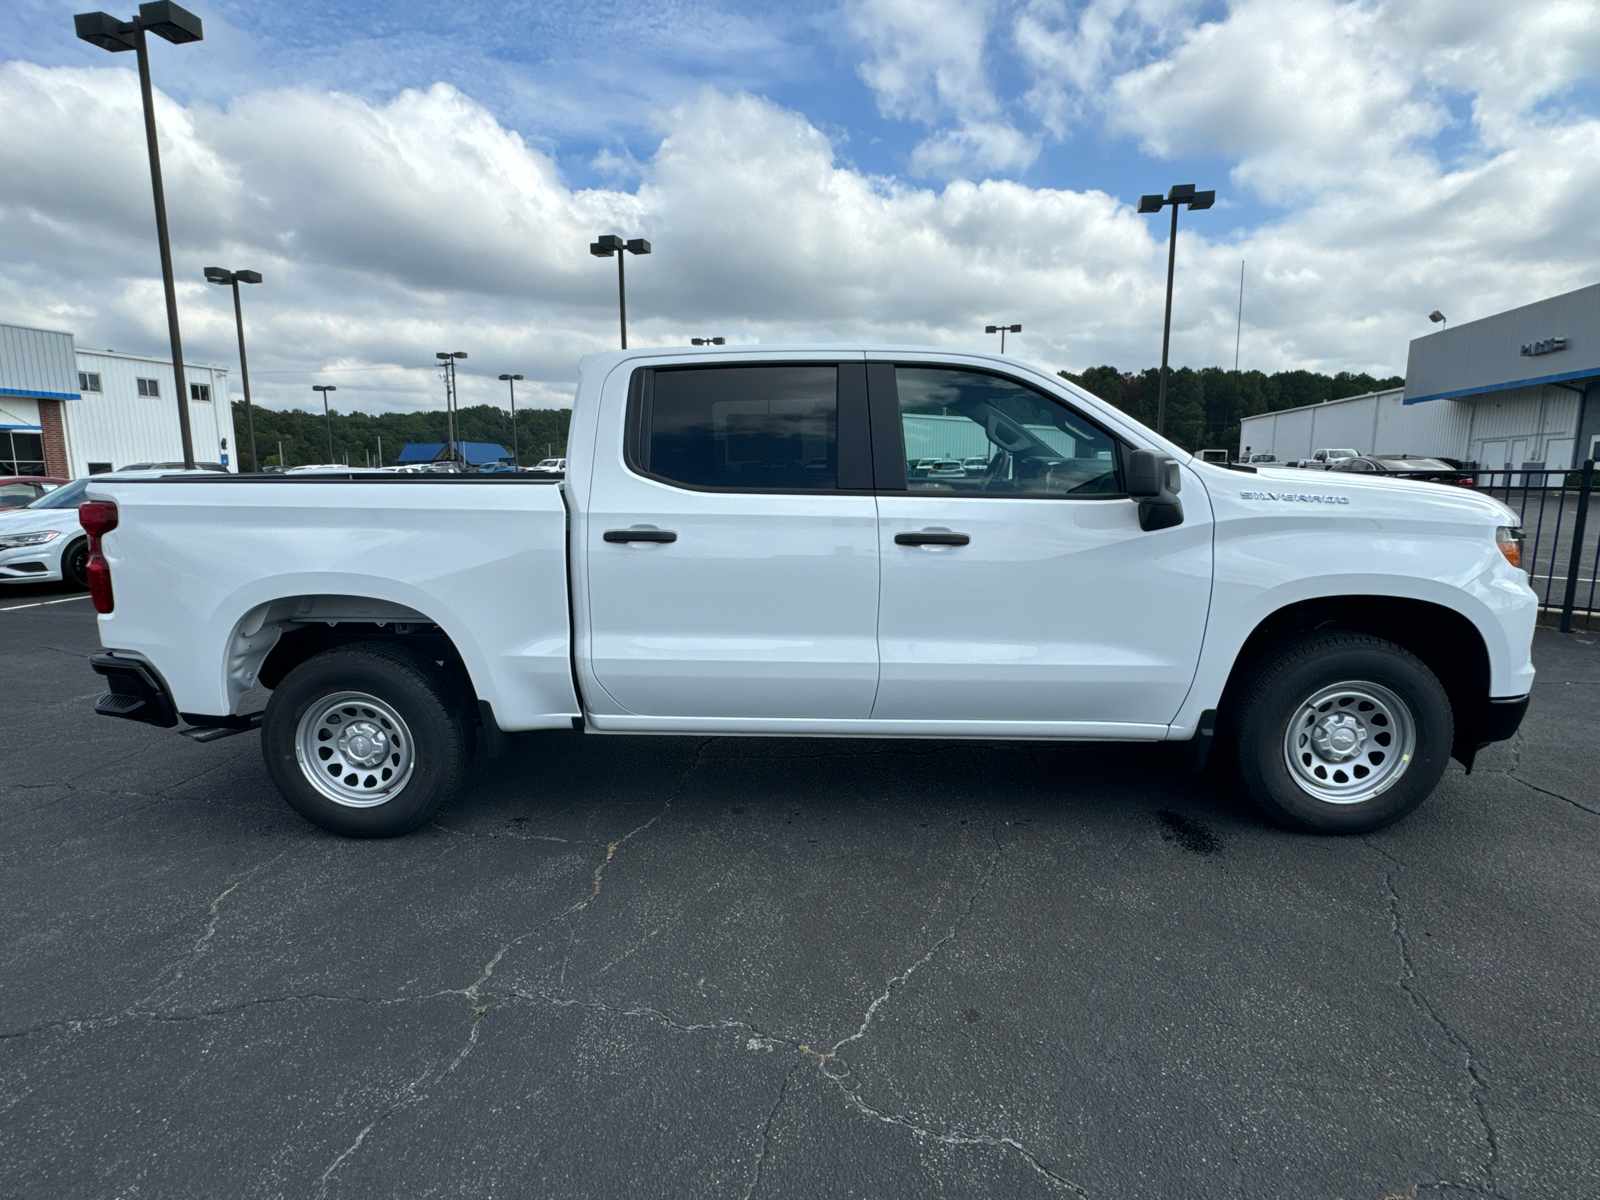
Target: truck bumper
<point>1501,721</point>
<point>137,692</point>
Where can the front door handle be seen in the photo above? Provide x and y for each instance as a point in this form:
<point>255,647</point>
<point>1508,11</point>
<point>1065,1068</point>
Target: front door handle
<point>640,535</point>
<point>931,537</point>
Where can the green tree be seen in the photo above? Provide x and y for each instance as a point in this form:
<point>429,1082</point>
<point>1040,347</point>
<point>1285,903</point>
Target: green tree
<point>356,436</point>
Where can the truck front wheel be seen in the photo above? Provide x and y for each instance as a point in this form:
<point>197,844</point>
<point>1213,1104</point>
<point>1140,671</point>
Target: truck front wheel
<point>1342,733</point>
<point>366,740</point>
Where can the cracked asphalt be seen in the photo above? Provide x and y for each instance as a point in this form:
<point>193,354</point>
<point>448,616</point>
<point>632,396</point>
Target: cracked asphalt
<point>759,968</point>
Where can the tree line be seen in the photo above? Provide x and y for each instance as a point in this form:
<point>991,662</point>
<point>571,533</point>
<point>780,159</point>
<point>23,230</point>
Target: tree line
<point>357,436</point>
<point>1204,407</point>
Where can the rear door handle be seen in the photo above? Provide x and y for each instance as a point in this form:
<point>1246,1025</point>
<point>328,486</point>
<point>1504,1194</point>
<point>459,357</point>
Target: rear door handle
<point>640,535</point>
<point>931,537</point>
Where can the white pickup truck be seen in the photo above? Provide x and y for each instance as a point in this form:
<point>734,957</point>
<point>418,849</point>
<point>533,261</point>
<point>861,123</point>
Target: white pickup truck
<point>742,546</point>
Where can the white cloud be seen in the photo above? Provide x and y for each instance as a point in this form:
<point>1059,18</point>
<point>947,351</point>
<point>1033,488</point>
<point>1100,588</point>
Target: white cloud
<point>388,230</point>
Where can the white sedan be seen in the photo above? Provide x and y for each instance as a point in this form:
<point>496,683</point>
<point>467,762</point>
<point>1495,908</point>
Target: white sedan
<point>43,542</point>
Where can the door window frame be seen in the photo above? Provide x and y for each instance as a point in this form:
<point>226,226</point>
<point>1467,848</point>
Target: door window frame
<point>853,475</point>
<point>888,435</point>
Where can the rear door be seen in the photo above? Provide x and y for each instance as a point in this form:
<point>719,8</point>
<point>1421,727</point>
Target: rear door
<point>732,546</point>
<point>1025,591</point>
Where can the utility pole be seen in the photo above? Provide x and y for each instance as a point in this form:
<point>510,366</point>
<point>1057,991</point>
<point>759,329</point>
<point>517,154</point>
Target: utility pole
<point>1239,328</point>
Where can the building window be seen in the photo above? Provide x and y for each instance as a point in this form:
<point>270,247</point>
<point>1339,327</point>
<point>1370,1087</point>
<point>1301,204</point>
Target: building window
<point>21,453</point>
<point>88,381</point>
<point>96,468</point>
<point>200,391</point>
<point>149,387</point>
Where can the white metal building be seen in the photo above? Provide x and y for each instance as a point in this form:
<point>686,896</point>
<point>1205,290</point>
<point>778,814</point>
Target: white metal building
<point>68,411</point>
<point>1518,389</point>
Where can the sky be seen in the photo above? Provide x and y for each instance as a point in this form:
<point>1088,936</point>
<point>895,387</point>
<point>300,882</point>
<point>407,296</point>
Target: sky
<point>411,178</point>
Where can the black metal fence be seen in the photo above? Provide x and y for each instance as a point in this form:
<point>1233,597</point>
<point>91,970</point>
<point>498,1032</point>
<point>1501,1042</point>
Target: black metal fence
<point>1562,552</point>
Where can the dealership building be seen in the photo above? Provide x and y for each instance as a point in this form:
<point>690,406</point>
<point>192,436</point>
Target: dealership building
<point>68,411</point>
<point>1520,389</point>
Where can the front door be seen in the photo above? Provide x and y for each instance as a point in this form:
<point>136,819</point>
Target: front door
<point>1017,584</point>
<point>729,573</point>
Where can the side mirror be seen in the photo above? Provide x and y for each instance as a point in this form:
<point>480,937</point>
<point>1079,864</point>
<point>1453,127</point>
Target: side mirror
<point>1154,480</point>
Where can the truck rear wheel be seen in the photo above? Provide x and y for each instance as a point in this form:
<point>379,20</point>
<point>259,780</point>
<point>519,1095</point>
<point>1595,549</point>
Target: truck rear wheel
<point>1342,733</point>
<point>366,740</point>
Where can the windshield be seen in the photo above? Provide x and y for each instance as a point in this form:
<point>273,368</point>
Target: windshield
<point>68,496</point>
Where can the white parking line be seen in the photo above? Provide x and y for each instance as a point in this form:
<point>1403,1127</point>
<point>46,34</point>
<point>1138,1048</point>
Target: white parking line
<point>41,603</point>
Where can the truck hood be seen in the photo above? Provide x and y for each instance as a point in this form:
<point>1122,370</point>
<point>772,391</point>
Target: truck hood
<point>1289,483</point>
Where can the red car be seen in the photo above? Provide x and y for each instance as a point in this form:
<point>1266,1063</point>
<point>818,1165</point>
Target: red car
<point>17,490</point>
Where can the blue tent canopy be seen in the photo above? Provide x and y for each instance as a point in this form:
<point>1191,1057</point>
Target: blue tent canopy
<point>476,453</point>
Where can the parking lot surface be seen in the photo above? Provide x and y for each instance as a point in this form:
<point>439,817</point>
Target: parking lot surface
<point>760,968</point>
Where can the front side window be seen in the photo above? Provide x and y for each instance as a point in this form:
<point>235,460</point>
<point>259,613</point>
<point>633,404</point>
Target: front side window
<point>200,391</point>
<point>968,433</point>
<point>149,387</point>
<point>756,428</point>
<point>88,381</point>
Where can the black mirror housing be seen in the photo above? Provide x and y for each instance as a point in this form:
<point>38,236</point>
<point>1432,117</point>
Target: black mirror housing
<point>1154,481</point>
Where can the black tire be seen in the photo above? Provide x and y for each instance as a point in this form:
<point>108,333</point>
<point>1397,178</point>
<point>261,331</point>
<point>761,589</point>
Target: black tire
<point>397,683</point>
<point>75,564</point>
<point>1280,693</point>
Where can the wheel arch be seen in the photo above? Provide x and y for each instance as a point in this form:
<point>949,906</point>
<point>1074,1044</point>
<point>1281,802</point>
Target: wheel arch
<point>1445,640</point>
<point>273,638</point>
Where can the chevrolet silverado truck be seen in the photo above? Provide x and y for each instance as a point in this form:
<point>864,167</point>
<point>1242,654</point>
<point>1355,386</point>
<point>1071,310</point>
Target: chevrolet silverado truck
<point>743,546</point>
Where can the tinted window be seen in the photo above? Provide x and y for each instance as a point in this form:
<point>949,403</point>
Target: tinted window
<point>742,427</point>
<point>977,434</point>
<point>13,495</point>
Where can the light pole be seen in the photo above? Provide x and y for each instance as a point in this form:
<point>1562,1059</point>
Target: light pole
<point>221,275</point>
<point>325,388</point>
<point>1002,330</point>
<point>511,382</point>
<point>178,26</point>
<point>1438,318</point>
<point>448,361</point>
<point>608,245</point>
<point>1180,195</point>
<point>708,341</point>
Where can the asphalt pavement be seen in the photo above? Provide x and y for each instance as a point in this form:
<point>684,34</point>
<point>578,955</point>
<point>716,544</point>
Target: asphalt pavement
<point>627,967</point>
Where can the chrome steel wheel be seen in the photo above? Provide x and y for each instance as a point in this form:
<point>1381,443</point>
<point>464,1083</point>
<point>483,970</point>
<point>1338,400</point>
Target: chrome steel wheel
<point>354,749</point>
<point>1349,742</point>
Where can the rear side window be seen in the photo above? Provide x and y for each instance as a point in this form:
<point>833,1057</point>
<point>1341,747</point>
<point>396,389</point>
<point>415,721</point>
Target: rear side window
<point>756,428</point>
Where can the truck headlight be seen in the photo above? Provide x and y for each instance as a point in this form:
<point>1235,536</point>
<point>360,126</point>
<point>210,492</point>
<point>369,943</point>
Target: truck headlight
<point>1510,538</point>
<point>12,541</point>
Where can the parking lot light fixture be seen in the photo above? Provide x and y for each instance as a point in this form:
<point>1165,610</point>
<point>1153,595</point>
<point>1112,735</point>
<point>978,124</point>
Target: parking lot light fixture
<point>1438,318</point>
<point>325,388</point>
<point>1180,195</point>
<point>604,247</point>
<point>1002,330</point>
<point>234,278</point>
<point>511,382</point>
<point>176,25</point>
<point>712,341</point>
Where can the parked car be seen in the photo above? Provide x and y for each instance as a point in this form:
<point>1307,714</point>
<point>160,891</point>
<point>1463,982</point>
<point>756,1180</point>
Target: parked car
<point>1340,637</point>
<point>43,541</point>
<point>550,466</point>
<point>171,466</point>
<point>1267,459</point>
<point>19,490</point>
<point>1324,459</point>
<point>1429,470</point>
<point>947,468</point>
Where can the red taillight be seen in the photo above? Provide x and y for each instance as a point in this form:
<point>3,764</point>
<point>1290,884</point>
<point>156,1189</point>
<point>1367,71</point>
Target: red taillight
<point>98,519</point>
